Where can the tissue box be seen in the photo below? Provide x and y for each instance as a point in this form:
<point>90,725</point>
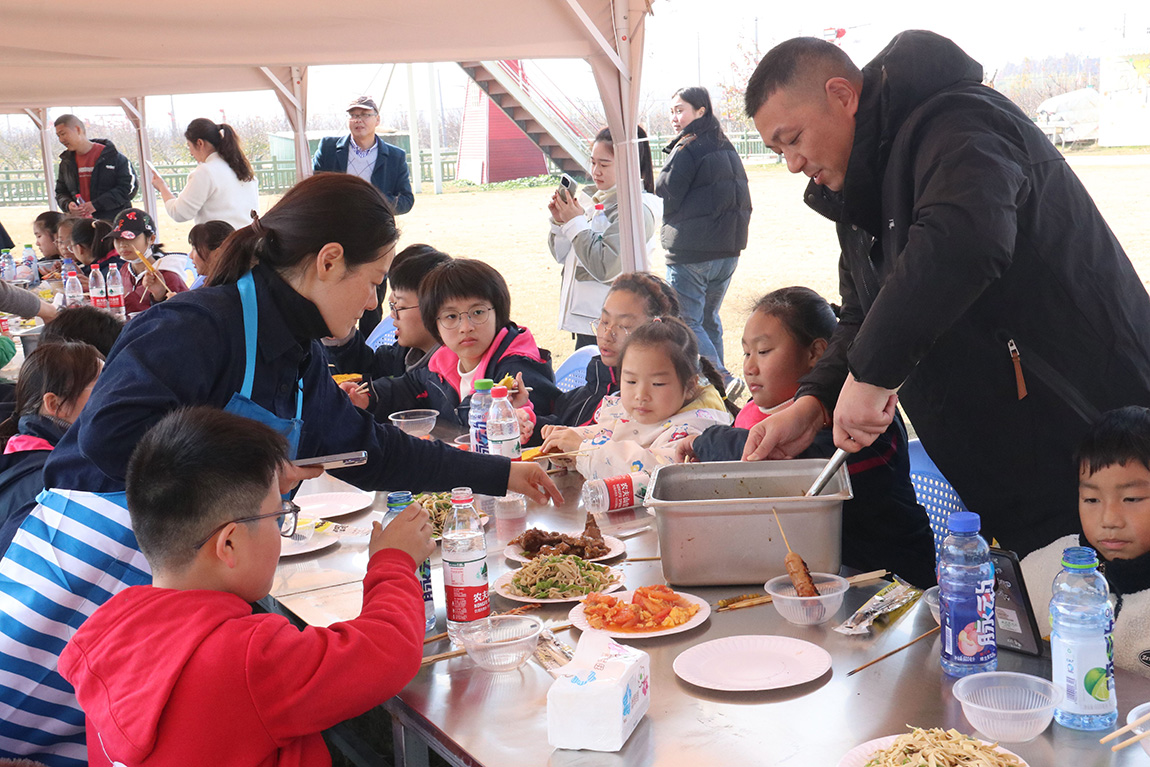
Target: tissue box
<point>600,696</point>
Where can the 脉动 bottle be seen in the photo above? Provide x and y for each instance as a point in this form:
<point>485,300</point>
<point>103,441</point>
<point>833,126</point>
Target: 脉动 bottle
<point>396,503</point>
<point>966,598</point>
<point>1081,643</point>
<point>477,415</point>
<point>464,564</point>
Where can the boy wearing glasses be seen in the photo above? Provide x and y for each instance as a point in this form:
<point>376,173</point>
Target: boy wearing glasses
<point>466,306</point>
<point>414,343</point>
<point>182,672</point>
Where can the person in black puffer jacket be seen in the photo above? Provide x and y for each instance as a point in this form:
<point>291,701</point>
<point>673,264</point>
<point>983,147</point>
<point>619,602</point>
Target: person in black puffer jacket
<point>706,212</point>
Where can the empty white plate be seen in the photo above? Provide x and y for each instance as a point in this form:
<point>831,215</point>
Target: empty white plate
<point>329,505</point>
<point>742,663</point>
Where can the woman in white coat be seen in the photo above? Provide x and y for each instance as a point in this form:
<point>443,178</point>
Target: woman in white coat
<point>222,187</point>
<point>591,259</point>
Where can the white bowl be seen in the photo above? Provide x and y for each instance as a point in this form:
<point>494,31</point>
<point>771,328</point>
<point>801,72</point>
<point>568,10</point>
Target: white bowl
<point>1135,713</point>
<point>808,611</point>
<point>1006,706</point>
<point>501,642</point>
<point>417,423</point>
<point>930,596</point>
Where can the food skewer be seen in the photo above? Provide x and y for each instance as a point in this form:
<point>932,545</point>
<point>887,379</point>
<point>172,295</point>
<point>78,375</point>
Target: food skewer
<point>797,569</point>
<point>755,601</point>
<point>1123,730</point>
<point>900,648</point>
<point>144,260</point>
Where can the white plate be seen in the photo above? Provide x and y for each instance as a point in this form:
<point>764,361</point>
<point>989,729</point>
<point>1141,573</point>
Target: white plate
<point>615,547</point>
<point>317,542</point>
<point>579,620</point>
<point>861,754</point>
<point>502,587</point>
<point>742,663</point>
<point>329,505</point>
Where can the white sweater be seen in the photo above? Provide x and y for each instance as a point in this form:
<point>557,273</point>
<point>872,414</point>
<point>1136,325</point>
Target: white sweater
<point>213,193</point>
<point>1132,627</point>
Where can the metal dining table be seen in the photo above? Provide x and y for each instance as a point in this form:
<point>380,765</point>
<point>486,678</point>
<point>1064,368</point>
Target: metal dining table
<point>474,717</point>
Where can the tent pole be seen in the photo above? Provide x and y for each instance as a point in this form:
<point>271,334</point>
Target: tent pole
<point>413,131</point>
<point>433,115</point>
<point>293,98</point>
<point>134,109</point>
<point>39,116</point>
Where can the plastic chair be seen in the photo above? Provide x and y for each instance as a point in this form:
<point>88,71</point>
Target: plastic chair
<point>933,491</point>
<point>384,333</point>
<point>573,372</point>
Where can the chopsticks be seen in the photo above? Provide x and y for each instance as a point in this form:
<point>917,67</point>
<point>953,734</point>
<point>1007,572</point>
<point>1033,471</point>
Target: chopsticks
<point>641,559</point>
<point>900,648</point>
<point>1128,728</point>
<point>568,454</point>
<point>854,580</point>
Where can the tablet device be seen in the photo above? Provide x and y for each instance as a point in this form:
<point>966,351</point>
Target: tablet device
<point>1014,625</point>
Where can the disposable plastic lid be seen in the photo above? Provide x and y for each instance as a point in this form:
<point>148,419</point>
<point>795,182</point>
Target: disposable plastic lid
<point>483,384</point>
<point>1079,558</point>
<point>498,391</point>
<point>964,522</point>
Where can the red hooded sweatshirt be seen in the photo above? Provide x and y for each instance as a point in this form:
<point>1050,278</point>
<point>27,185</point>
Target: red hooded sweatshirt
<point>170,677</point>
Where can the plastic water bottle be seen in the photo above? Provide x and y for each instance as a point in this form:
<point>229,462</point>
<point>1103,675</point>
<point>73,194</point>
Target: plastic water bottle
<point>7,265</point>
<point>611,493</point>
<point>29,264</point>
<point>503,426</point>
<point>464,564</point>
<point>477,415</point>
<point>68,265</point>
<point>966,598</point>
<point>115,288</point>
<point>396,503</point>
<point>1082,643</point>
<point>97,292</point>
<point>73,291</point>
<point>599,222</point>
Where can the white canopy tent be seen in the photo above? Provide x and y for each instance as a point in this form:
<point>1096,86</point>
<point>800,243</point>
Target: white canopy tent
<point>53,54</point>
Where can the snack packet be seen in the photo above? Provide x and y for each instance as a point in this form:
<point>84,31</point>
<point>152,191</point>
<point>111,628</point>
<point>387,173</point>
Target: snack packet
<point>893,600</point>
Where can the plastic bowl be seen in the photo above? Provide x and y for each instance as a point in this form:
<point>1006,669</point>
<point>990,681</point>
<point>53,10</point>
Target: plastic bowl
<point>808,611</point>
<point>930,596</point>
<point>501,642</point>
<point>1139,711</point>
<point>417,423</point>
<point>1007,706</point>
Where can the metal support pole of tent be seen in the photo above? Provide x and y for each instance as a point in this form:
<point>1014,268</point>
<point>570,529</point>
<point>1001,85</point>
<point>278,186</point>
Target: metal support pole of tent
<point>433,119</point>
<point>413,130</point>
<point>134,109</point>
<point>40,118</point>
<point>293,98</point>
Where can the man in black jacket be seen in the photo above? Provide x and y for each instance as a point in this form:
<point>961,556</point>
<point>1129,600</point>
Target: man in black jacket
<point>981,286</point>
<point>94,180</point>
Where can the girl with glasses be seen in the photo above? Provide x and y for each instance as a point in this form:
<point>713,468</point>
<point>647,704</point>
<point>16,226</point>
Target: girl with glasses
<point>466,306</point>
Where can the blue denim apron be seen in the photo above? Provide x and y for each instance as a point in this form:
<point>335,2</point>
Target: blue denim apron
<point>74,552</point>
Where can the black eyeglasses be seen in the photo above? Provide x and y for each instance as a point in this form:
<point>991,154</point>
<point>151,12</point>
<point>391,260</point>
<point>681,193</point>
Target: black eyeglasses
<point>287,518</point>
<point>396,308</point>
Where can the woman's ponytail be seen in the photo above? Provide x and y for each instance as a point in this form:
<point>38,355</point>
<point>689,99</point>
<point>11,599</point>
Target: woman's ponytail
<point>224,140</point>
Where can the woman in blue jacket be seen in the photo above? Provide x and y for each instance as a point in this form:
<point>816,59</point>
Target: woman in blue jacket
<point>706,213</point>
<point>248,343</point>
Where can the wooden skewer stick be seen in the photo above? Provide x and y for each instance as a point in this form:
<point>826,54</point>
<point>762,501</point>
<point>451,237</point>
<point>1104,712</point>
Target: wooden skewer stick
<point>641,559</point>
<point>854,580</point>
<point>780,524</point>
<point>442,656</point>
<point>1130,742</point>
<point>1128,728</point>
<point>900,648</point>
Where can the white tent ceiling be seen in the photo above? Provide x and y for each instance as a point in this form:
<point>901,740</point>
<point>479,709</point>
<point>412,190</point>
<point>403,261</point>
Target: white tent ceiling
<point>56,53</point>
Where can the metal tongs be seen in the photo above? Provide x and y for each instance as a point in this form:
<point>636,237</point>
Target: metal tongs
<point>824,476</point>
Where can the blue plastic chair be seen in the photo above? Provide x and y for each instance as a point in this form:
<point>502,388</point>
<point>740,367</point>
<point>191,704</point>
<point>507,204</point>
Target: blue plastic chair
<point>384,333</point>
<point>573,372</point>
<point>933,491</point>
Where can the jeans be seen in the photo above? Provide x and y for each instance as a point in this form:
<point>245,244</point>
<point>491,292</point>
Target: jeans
<point>701,288</point>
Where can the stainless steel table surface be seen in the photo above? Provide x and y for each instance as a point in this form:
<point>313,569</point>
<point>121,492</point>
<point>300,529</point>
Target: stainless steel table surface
<point>499,719</point>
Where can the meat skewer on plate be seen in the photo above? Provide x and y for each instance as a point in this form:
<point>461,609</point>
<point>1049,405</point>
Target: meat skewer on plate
<point>797,569</point>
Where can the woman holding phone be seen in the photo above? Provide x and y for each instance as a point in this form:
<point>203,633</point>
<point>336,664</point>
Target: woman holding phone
<point>591,259</point>
<point>249,343</point>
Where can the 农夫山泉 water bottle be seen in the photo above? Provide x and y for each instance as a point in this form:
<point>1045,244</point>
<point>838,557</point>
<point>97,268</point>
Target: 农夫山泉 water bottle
<point>503,426</point>
<point>1082,643</point>
<point>966,598</point>
<point>464,564</point>
<point>611,493</point>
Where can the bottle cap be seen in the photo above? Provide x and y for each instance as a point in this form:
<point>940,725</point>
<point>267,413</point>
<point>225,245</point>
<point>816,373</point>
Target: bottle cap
<point>498,391</point>
<point>27,246</point>
<point>599,206</point>
<point>71,274</point>
<point>461,495</point>
<point>483,384</point>
<point>1079,558</point>
<point>964,522</point>
<point>400,498</point>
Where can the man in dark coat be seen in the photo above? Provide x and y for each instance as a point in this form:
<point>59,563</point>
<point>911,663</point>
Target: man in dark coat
<point>95,179</point>
<point>981,286</point>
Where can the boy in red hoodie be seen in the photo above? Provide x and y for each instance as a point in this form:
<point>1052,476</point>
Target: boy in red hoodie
<point>182,672</point>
